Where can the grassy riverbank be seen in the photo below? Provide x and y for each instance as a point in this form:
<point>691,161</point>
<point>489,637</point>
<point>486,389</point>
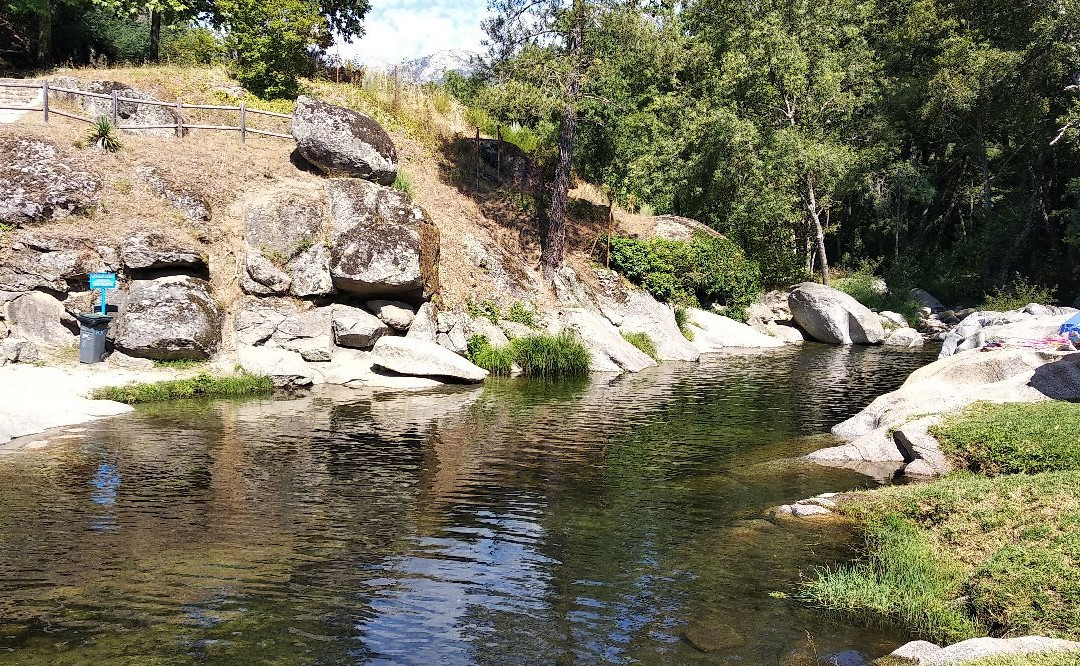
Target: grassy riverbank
<point>985,552</point>
<point>202,385</point>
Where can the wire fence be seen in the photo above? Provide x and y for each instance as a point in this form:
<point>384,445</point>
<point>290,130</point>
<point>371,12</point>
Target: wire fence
<point>47,108</point>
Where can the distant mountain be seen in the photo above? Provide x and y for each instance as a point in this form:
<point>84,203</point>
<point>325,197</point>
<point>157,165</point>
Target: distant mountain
<point>433,68</point>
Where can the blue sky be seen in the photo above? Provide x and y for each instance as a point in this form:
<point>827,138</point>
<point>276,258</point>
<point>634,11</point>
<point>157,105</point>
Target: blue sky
<point>405,29</point>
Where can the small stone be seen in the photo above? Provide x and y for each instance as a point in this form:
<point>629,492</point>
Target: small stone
<point>808,510</point>
<point>919,468</point>
<point>394,313</point>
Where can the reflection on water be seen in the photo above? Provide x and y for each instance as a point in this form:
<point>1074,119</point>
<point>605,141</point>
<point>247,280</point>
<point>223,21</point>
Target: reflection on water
<point>615,520</point>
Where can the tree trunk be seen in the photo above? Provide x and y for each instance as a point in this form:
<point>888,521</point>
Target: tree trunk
<point>555,246</point>
<point>984,165</point>
<point>819,231</point>
<point>44,42</point>
<point>155,35</point>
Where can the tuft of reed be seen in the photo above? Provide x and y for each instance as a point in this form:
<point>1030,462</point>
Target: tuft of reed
<point>643,342</point>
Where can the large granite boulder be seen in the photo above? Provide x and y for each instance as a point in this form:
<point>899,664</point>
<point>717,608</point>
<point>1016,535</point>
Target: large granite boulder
<point>425,324</point>
<point>395,313</point>
<point>380,242</point>
<point>608,350</point>
<point>980,328</point>
<point>308,333</point>
<point>128,113</point>
<point>42,182</point>
<point>409,356</point>
<point>886,431</point>
<point>286,369</point>
<point>831,316</point>
<point>925,299</point>
<point>154,250</point>
<point>284,230</point>
<point>984,649</point>
<point>342,142</point>
<point>169,318</point>
<point>713,333</point>
<point>356,328</point>
<point>636,311</point>
<point>40,318</point>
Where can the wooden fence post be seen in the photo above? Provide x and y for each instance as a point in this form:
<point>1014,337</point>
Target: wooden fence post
<point>477,159</point>
<point>243,123</point>
<point>45,100</point>
<point>179,118</point>
<point>498,153</point>
<point>115,110</point>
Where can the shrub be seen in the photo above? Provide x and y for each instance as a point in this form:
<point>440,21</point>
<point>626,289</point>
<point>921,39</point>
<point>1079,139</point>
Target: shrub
<point>103,134</point>
<point>485,309</point>
<point>1016,295</point>
<point>201,385</point>
<point>1014,438</point>
<point>703,271</point>
<point>864,286</point>
<point>551,356</point>
<point>190,45</point>
<point>643,342</point>
<point>402,183</point>
<point>521,314</point>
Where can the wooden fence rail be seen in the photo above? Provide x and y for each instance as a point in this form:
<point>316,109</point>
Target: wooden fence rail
<point>178,107</point>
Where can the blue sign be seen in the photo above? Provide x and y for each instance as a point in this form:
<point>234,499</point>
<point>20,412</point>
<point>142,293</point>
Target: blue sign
<point>103,281</point>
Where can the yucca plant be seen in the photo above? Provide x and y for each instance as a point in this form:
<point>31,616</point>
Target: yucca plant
<point>103,134</point>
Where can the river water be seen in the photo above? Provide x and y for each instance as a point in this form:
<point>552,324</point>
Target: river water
<point>606,520</point>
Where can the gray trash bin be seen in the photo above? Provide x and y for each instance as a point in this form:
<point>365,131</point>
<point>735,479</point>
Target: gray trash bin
<point>93,328</point>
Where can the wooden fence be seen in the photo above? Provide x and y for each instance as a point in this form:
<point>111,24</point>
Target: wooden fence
<point>178,108</point>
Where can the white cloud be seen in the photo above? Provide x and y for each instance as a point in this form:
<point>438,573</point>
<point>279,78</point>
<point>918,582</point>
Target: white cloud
<point>399,30</point>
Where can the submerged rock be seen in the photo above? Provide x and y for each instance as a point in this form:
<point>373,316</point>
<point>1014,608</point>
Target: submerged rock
<point>343,142</point>
<point>831,316</point>
<point>169,318</point>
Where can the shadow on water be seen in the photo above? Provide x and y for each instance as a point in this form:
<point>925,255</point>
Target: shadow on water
<point>613,519</point>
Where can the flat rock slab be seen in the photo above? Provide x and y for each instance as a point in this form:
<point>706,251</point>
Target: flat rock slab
<point>928,654</point>
<point>713,332</point>
<point>284,368</point>
<point>409,356</point>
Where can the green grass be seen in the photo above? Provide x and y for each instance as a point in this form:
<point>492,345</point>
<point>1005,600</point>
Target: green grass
<point>1022,438</point>
<point>540,356</point>
<point>485,309</point>
<point>403,183</point>
<point>682,320</point>
<point>178,363</point>
<point>496,360</point>
<point>964,556</point>
<point>201,385</point>
<point>643,342</point>
<point>551,356</point>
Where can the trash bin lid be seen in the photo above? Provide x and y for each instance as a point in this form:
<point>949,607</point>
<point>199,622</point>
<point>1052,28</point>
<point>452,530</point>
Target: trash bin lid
<point>92,318</point>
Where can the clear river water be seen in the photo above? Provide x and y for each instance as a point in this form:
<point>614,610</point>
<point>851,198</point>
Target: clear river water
<point>597,521</point>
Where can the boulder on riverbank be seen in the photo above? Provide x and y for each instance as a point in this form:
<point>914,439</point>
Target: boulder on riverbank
<point>713,333</point>
<point>1019,326</point>
<point>886,431</point>
<point>924,653</point>
<point>831,316</point>
<point>342,142</point>
<point>169,318</point>
<point>418,358</point>
<point>608,350</point>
